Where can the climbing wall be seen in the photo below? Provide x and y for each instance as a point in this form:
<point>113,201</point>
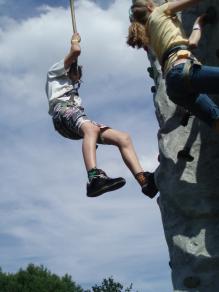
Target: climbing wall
<point>188,175</point>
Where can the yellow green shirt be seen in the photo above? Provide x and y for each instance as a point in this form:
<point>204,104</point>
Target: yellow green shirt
<point>165,31</point>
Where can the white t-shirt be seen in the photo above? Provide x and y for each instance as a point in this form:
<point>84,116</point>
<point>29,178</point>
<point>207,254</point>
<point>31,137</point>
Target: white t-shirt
<point>58,84</point>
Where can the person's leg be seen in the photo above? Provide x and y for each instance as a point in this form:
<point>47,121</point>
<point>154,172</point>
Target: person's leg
<point>190,93</point>
<point>204,79</point>
<point>99,182</point>
<point>205,109</point>
<point>123,141</point>
<point>71,122</point>
<point>90,136</point>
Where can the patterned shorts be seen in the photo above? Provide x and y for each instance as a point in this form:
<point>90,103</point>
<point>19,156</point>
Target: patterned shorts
<point>68,118</point>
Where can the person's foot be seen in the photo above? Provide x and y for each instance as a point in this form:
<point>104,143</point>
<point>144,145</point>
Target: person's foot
<point>101,184</point>
<point>149,188</point>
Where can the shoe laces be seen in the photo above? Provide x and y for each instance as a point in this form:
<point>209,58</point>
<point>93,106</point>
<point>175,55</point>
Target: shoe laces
<point>102,173</point>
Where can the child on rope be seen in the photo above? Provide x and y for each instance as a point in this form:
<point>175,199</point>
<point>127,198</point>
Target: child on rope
<point>71,121</point>
<point>188,82</point>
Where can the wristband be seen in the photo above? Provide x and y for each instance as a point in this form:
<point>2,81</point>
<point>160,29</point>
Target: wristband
<point>196,27</point>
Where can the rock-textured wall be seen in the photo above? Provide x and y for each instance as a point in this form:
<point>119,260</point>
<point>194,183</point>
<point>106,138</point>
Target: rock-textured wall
<point>188,176</point>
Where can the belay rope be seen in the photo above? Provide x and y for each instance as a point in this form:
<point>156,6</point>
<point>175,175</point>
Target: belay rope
<point>73,16</point>
<point>74,26</point>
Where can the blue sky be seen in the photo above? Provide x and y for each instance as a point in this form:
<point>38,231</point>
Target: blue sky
<point>46,217</point>
<point>27,8</point>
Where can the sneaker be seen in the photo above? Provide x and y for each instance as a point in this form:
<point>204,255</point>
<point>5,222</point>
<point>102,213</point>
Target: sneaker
<point>102,183</point>
<point>149,189</point>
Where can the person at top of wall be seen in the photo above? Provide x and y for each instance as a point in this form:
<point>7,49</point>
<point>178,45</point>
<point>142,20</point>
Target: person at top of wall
<point>70,120</point>
<point>188,82</point>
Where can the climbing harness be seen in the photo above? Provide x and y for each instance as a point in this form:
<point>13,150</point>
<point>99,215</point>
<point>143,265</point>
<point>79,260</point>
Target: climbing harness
<point>182,51</point>
<point>171,51</point>
<point>186,70</point>
<point>73,16</point>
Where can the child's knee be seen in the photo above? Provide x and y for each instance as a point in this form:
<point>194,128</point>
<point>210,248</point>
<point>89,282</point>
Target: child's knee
<point>91,129</point>
<point>125,139</point>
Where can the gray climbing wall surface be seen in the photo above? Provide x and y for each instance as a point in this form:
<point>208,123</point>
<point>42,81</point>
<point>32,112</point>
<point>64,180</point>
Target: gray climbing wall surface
<point>188,176</point>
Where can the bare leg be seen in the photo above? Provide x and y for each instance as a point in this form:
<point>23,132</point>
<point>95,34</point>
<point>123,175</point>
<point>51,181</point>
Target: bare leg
<point>123,141</point>
<point>91,134</point>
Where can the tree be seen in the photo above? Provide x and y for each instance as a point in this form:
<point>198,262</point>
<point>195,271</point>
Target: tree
<point>37,279</point>
<point>109,285</point>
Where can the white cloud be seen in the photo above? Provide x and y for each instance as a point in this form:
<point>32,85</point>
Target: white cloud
<point>43,204</point>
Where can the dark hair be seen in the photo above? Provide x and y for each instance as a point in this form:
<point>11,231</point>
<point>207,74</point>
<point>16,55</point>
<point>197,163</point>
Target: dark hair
<point>138,13</point>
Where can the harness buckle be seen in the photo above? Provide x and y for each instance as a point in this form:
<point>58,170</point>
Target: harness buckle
<point>183,54</point>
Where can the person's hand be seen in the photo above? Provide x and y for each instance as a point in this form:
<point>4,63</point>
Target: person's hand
<point>75,38</point>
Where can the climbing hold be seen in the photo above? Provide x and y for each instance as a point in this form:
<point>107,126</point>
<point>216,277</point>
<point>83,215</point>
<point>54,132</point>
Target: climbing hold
<point>151,72</point>
<point>158,158</point>
<point>153,89</point>
<point>158,201</point>
<point>211,15</point>
<point>185,155</point>
<point>185,119</point>
<point>192,282</point>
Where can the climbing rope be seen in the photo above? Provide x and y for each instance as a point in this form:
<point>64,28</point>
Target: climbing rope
<point>73,16</point>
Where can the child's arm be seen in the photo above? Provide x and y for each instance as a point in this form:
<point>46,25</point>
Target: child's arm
<point>196,32</point>
<point>75,51</point>
<point>180,5</point>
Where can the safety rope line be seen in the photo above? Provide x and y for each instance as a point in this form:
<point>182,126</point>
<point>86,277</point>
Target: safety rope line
<point>73,16</point>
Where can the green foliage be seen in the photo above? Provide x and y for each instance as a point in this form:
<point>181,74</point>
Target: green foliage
<point>39,279</point>
<point>36,279</point>
<point>109,285</point>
